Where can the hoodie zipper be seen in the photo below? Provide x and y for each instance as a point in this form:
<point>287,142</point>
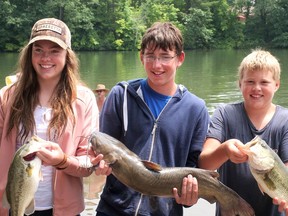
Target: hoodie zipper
<point>149,159</point>
<point>152,133</point>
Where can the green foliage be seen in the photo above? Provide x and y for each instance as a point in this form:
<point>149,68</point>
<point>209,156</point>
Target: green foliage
<point>119,25</point>
<point>129,29</point>
<point>228,31</point>
<point>197,33</point>
<point>281,41</point>
<point>158,10</point>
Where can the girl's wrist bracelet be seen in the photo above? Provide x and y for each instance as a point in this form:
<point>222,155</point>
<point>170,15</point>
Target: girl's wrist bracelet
<point>62,162</point>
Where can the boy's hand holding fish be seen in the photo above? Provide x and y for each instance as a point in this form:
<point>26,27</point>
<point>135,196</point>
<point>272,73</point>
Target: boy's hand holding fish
<point>228,150</point>
<point>233,152</point>
<point>189,191</point>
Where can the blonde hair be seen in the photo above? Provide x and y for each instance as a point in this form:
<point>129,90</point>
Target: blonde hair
<point>25,96</point>
<point>260,60</point>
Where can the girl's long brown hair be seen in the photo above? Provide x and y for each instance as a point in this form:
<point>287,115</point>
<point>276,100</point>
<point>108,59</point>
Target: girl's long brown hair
<point>25,96</point>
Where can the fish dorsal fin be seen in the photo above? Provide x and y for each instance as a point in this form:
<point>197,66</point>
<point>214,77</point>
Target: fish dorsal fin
<point>30,208</point>
<point>152,166</point>
<point>214,174</point>
<point>5,202</point>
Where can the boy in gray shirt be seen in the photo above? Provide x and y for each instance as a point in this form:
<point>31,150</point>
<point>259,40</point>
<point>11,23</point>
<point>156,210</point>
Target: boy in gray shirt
<point>237,123</point>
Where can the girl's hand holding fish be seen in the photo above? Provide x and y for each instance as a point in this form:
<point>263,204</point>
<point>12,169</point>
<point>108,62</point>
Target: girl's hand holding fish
<point>102,168</point>
<point>51,154</point>
<point>189,194</point>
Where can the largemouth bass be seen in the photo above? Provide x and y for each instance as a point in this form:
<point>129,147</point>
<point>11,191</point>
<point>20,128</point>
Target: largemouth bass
<point>23,179</point>
<point>267,168</point>
<point>150,179</point>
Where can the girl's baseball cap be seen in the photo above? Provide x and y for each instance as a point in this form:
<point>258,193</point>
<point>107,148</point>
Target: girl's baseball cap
<point>53,30</point>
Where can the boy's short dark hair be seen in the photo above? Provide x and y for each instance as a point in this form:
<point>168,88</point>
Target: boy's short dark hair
<point>163,35</point>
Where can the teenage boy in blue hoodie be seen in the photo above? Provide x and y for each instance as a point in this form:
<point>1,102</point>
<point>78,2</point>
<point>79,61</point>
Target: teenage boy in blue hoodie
<point>158,120</point>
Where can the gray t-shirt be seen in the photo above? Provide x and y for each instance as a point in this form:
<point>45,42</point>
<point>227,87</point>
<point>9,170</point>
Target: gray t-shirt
<point>230,121</point>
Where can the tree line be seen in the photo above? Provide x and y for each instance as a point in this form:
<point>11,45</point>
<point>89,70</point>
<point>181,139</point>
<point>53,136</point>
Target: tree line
<point>119,24</point>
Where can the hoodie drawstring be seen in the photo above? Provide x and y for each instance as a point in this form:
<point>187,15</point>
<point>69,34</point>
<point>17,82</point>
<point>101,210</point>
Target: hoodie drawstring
<point>125,109</point>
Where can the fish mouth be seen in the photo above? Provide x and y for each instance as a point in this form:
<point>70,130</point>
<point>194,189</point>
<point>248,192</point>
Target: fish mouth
<point>30,156</point>
<point>246,148</point>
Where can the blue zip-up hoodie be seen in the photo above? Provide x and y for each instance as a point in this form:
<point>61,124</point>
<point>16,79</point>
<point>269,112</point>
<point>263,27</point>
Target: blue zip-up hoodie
<point>174,139</point>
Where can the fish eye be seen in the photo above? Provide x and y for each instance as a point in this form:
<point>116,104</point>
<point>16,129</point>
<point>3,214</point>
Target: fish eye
<point>263,146</point>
